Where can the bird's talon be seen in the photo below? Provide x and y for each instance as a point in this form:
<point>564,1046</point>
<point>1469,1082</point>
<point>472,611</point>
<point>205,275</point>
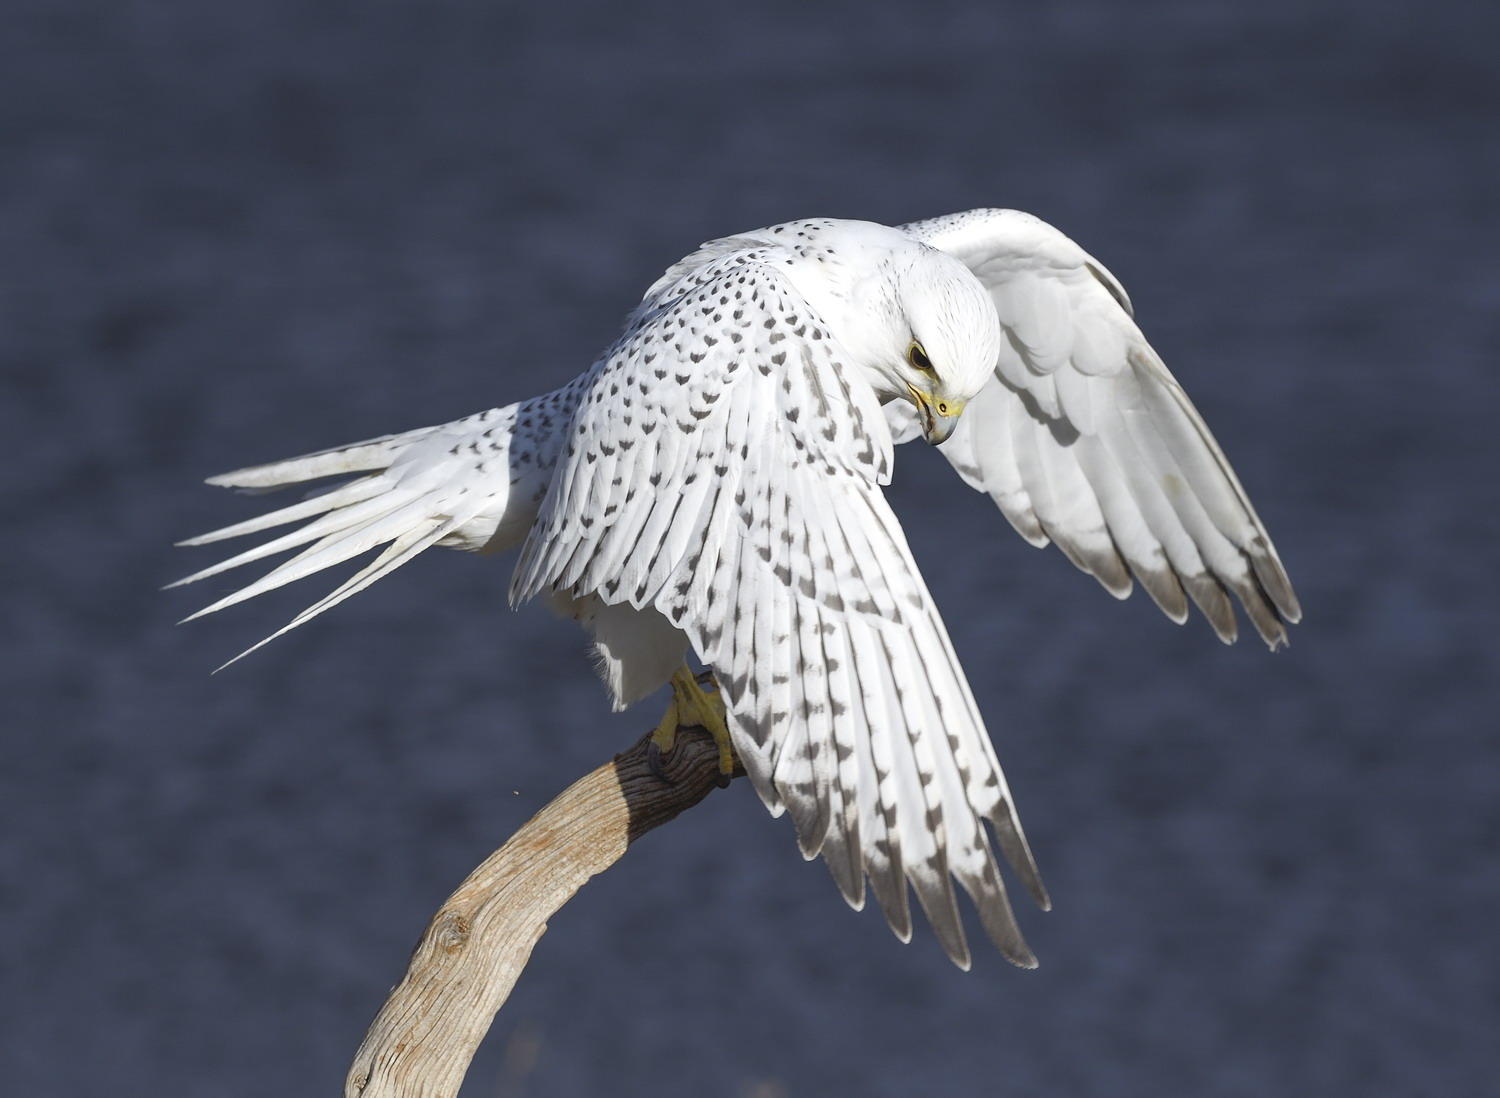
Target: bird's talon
<point>695,704</point>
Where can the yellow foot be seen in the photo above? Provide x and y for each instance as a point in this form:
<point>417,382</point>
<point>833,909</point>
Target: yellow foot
<point>694,707</point>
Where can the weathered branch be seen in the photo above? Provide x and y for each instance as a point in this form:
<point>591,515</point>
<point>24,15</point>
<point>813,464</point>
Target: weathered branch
<point>463,969</point>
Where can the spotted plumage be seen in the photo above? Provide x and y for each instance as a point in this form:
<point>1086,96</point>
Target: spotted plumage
<point>714,482</point>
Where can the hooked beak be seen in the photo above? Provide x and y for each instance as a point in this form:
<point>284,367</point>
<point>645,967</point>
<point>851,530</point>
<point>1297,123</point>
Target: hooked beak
<point>939,415</point>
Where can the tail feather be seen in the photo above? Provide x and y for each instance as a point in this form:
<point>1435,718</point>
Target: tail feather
<point>462,484</point>
<point>393,519</point>
<point>340,520</point>
<point>398,552</point>
<point>342,496</point>
<point>358,457</point>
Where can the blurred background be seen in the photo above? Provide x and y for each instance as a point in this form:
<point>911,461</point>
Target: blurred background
<point>231,233</point>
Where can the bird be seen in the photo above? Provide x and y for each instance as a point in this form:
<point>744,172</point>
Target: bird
<point>714,483</point>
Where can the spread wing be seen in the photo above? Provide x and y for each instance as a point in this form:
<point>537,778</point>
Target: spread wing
<point>724,469</point>
<point>1084,438</point>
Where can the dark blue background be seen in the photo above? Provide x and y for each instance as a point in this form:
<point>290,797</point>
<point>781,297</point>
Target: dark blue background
<point>232,232</point>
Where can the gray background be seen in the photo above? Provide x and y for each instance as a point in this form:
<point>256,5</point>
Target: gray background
<point>230,233</point>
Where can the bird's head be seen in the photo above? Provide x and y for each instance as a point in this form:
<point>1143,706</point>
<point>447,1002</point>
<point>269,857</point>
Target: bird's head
<point>942,342</point>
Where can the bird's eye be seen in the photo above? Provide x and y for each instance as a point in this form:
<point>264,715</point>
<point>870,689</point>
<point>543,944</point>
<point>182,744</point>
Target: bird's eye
<point>917,356</point>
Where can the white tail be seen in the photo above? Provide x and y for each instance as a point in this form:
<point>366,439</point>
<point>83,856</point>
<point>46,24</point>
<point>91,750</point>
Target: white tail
<point>471,484</point>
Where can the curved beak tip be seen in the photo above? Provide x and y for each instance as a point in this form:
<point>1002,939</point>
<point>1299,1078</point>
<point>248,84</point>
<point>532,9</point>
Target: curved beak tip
<point>936,426</point>
<point>936,429</point>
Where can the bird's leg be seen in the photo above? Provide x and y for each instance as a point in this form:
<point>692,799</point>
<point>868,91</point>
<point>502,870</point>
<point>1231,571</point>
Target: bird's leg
<point>692,706</point>
<point>708,709</point>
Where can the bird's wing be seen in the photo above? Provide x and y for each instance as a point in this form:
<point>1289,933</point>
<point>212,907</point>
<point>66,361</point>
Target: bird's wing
<point>1084,438</point>
<point>724,468</point>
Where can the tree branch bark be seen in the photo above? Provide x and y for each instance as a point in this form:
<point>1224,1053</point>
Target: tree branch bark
<point>463,969</point>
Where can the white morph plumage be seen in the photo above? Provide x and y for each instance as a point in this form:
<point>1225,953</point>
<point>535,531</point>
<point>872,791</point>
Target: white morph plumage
<point>714,481</point>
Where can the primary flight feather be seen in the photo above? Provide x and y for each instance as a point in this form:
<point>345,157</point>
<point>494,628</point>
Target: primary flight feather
<point>714,482</point>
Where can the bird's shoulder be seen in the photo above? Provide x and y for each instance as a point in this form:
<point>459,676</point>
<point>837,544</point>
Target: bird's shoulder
<point>753,296</point>
<point>732,341</point>
<point>822,258</point>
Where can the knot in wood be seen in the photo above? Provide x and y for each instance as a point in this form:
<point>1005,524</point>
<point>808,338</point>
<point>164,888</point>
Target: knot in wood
<point>452,932</point>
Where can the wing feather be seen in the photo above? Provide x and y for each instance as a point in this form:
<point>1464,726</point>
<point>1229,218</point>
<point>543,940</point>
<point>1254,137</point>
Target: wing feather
<point>765,536</point>
<point>1084,438</point>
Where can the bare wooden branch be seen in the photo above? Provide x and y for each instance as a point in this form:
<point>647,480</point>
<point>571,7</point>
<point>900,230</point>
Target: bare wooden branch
<point>474,949</point>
